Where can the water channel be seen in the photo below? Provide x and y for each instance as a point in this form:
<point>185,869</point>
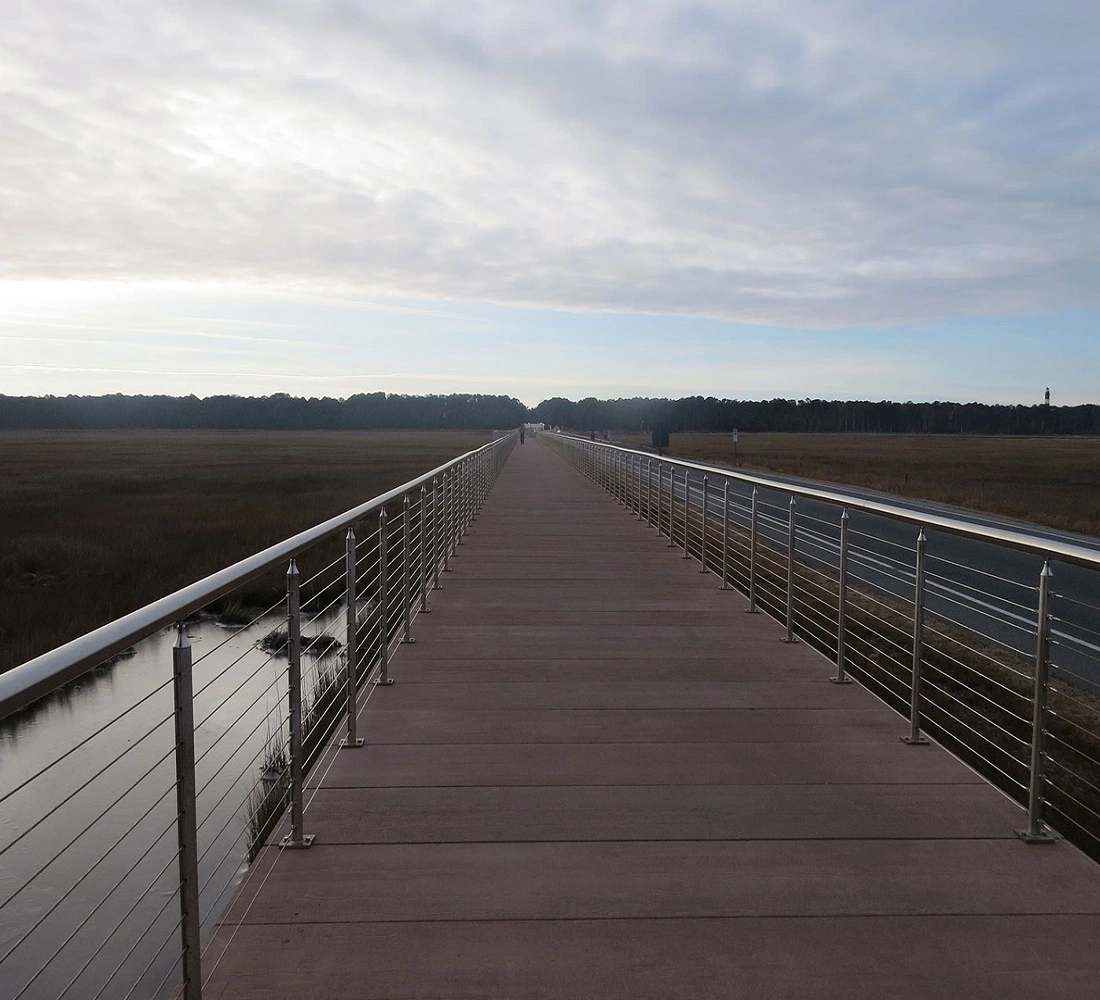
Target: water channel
<point>88,849</point>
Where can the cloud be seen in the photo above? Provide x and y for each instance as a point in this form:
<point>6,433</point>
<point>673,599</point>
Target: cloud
<point>797,162</point>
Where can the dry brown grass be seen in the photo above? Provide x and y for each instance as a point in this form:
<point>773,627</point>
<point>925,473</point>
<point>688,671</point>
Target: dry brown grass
<point>98,523</point>
<point>1053,481</point>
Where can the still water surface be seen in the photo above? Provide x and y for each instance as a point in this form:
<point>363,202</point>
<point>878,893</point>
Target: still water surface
<point>89,869</point>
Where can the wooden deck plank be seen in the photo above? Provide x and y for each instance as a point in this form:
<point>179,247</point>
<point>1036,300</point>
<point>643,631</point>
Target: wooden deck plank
<point>596,776</point>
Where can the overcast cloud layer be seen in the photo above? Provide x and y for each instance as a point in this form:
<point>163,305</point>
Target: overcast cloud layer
<point>797,162</point>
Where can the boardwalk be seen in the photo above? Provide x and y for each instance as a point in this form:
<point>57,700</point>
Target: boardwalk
<point>596,776</point>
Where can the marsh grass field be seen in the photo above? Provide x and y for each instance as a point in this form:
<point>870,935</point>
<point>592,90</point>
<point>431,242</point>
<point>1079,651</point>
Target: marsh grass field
<point>99,523</point>
<point>1052,481</point>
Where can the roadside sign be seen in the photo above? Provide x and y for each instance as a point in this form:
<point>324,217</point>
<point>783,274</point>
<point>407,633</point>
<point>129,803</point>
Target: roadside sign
<point>735,435</point>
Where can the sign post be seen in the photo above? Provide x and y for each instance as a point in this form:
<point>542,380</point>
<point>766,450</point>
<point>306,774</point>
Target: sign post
<point>735,446</point>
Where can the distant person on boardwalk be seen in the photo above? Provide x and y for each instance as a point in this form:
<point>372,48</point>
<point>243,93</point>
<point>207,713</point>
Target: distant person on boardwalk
<point>521,435</point>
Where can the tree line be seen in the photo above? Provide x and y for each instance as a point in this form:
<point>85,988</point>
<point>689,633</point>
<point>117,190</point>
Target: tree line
<point>364,411</point>
<point>696,413</point>
<point>380,410</point>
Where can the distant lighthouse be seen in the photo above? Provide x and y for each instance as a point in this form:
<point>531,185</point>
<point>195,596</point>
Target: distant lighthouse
<point>1046,397</point>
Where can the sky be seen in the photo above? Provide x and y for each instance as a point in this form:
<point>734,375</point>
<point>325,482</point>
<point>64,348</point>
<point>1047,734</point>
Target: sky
<point>738,198</point>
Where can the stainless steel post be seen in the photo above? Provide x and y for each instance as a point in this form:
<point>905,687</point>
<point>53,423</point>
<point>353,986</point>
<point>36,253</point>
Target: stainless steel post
<point>186,818</point>
<point>914,738</point>
<point>791,540</point>
<point>447,504</point>
<point>671,506</point>
<point>456,508</point>
<point>687,510</point>
<point>620,478</point>
<point>1036,833</point>
<point>726,537</point>
<point>703,536</point>
<point>468,479</point>
<point>351,682</point>
<point>384,597</point>
<point>842,605</point>
<point>435,534</point>
<point>296,838</point>
<point>649,491</point>
<point>463,498</point>
<point>406,570</point>
<point>660,497</point>
<point>754,524</point>
<point>479,482</point>
<point>423,572</point>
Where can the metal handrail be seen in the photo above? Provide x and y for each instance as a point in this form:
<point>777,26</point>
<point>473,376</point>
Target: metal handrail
<point>26,683</point>
<point>1067,552</point>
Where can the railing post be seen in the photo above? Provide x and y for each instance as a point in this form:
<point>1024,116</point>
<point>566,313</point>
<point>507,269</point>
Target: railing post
<point>435,534</point>
<point>842,605</point>
<point>1036,833</point>
<point>703,542</point>
<point>456,507</point>
<point>754,524</point>
<point>687,510</point>
<point>473,488</point>
<point>636,481</point>
<point>726,537</point>
<point>351,685</point>
<point>384,597</point>
<point>424,572</point>
<point>914,738</point>
<point>648,490</point>
<point>671,506</point>
<point>296,838</point>
<point>406,570</point>
<point>468,506</point>
<point>620,478</point>
<point>791,540</point>
<point>660,496</point>
<point>479,484</point>
<point>447,504</point>
<point>463,495</point>
<point>186,819</point>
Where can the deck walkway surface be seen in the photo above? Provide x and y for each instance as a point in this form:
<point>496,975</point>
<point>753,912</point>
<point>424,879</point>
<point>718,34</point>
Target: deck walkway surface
<point>595,776</point>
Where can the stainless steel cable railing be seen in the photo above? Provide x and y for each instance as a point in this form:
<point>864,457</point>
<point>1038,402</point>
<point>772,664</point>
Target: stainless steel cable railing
<point>982,636</point>
<point>122,837</point>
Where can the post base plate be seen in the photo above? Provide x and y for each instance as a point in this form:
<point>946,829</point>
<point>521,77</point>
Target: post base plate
<point>1034,838</point>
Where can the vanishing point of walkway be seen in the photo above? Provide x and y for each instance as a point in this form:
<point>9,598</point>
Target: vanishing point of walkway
<point>595,776</point>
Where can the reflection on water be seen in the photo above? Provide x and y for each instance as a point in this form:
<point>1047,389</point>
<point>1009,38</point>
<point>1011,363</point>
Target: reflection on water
<point>89,862</point>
